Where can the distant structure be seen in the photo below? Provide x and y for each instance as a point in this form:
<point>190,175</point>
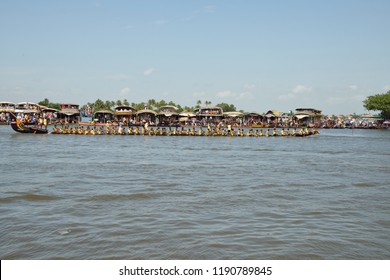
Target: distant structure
<point>168,115</point>
<point>69,113</point>
<point>306,116</point>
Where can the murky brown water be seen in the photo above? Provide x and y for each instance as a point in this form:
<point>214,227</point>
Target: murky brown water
<point>135,197</point>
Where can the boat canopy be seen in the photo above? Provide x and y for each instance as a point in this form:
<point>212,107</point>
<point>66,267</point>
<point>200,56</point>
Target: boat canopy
<point>187,114</point>
<point>168,111</point>
<point>47,109</point>
<point>233,114</point>
<point>69,112</point>
<point>210,111</point>
<point>7,107</point>
<point>125,110</point>
<point>299,117</point>
<point>147,112</point>
<point>104,112</point>
<point>69,109</point>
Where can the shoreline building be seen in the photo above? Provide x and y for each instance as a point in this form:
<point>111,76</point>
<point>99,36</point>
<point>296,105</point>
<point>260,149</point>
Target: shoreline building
<point>69,113</point>
<point>308,116</point>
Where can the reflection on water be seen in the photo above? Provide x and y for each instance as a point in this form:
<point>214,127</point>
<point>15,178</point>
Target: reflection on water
<point>135,197</point>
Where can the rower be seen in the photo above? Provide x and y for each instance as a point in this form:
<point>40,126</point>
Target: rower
<point>293,133</point>
<point>55,130</point>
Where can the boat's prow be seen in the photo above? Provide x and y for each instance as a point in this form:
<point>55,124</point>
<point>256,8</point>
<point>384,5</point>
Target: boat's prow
<point>18,126</point>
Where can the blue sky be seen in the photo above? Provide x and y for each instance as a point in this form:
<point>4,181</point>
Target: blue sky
<point>257,55</point>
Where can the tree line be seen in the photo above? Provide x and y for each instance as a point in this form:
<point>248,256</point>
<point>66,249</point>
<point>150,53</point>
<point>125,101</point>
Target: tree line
<point>151,104</point>
<point>377,102</point>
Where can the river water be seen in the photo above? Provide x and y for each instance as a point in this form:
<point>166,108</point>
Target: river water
<point>146,197</point>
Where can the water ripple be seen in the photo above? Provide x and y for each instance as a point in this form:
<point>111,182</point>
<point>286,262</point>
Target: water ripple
<point>325,197</point>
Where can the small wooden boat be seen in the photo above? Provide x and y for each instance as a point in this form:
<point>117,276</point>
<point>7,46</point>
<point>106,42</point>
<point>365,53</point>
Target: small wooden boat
<point>18,126</point>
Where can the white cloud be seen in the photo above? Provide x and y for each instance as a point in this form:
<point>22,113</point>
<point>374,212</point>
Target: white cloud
<point>353,87</point>
<point>96,4</point>
<point>245,95</point>
<point>232,95</point>
<point>199,94</point>
<point>249,86</point>
<point>301,89</point>
<point>124,92</point>
<point>287,96</point>
<point>149,71</point>
<point>359,97</point>
<point>334,100</point>
<point>209,9</point>
<point>386,88</point>
<point>297,90</point>
<point>160,22</point>
<point>119,77</point>
<point>225,94</point>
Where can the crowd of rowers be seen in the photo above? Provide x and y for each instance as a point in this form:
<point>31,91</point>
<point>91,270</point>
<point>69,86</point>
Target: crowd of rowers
<point>182,131</point>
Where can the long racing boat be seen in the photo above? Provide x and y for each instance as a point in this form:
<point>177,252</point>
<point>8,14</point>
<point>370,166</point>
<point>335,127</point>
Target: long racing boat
<point>18,126</point>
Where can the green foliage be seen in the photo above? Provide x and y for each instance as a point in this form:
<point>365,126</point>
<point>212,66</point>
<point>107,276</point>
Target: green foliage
<point>101,105</point>
<point>152,104</point>
<point>379,102</point>
<point>138,106</point>
<point>155,105</point>
<point>226,107</point>
<point>45,102</point>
